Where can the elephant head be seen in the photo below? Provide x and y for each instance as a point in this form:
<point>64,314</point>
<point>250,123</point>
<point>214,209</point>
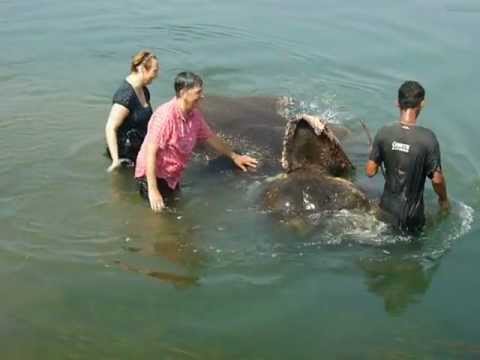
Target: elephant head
<point>307,145</point>
<point>313,160</point>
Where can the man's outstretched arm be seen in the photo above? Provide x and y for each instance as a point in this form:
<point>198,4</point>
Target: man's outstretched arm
<point>242,161</point>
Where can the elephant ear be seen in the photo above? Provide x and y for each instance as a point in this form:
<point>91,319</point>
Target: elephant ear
<point>304,146</point>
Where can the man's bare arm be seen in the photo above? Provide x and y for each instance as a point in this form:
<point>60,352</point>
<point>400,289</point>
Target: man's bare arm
<point>440,186</point>
<point>154,196</point>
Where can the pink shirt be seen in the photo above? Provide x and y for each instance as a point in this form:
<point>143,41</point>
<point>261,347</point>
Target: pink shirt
<point>175,136</point>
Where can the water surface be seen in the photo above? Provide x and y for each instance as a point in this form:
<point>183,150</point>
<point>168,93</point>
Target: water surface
<point>249,289</point>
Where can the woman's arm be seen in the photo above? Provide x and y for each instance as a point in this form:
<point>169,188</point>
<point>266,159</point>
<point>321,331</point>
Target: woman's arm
<point>117,116</point>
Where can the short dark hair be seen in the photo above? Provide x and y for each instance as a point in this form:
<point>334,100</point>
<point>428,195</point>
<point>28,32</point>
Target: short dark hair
<point>187,80</point>
<point>410,95</point>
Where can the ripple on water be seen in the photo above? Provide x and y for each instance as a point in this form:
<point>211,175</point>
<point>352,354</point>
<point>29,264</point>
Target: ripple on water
<point>239,278</point>
<point>350,227</point>
<point>57,241</point>
<point>351,233</point>
<point>454,7</point>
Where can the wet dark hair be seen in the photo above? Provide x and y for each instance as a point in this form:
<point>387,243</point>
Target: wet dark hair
<point>187,80</point>
<point>410,95</point>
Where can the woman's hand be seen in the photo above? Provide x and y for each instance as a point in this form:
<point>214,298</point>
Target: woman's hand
<point>117,163</point>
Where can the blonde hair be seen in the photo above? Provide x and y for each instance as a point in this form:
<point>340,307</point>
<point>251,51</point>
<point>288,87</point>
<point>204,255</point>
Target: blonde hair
<point>144,58</point>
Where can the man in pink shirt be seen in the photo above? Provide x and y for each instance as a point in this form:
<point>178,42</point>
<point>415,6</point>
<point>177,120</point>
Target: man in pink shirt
<point>173,131</point>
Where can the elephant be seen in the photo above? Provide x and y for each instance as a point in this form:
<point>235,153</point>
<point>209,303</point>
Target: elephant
<point>304,165</point>
<point>314,179</point>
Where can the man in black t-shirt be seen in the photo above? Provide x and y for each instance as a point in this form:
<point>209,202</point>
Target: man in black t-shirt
<point>409,153</point>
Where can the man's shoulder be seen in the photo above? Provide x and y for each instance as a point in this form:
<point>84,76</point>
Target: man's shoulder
<point>388,126</point>
<point>388,129</point>
<point>425,130</point>
<point>164,110</point>
<point>425,134</point>
<point>166,106</point>
<point>198,115</point>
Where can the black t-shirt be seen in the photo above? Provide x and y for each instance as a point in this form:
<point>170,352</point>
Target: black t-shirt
<point>133,130</point>
<point>139,115</point>
<point>410,154</point>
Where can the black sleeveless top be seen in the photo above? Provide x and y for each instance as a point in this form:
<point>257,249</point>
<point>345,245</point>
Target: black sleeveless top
<point>131,133</point>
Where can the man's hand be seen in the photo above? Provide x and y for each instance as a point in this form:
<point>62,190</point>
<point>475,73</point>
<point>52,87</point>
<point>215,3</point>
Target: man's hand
<point>315,122</point>
<point>156,200</point>
<point>117,163</point>
<point>371,168</point>
<point>244,161</point>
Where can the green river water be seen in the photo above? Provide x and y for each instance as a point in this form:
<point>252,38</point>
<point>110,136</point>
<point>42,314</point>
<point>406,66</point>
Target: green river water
<point>260,291</point>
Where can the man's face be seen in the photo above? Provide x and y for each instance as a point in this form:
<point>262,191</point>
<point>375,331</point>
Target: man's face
<point>193,96</point>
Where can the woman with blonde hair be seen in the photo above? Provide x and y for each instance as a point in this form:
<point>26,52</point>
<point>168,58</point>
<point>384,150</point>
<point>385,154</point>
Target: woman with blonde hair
<point>131,110</point>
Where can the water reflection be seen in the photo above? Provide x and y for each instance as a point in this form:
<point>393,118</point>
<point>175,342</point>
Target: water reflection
<point>149,237</point>
<point>400,282</point>
<point>175,279</point>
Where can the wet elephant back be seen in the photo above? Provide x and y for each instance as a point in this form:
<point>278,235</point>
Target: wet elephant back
<point>246,120</point>
<point>303,192</point>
